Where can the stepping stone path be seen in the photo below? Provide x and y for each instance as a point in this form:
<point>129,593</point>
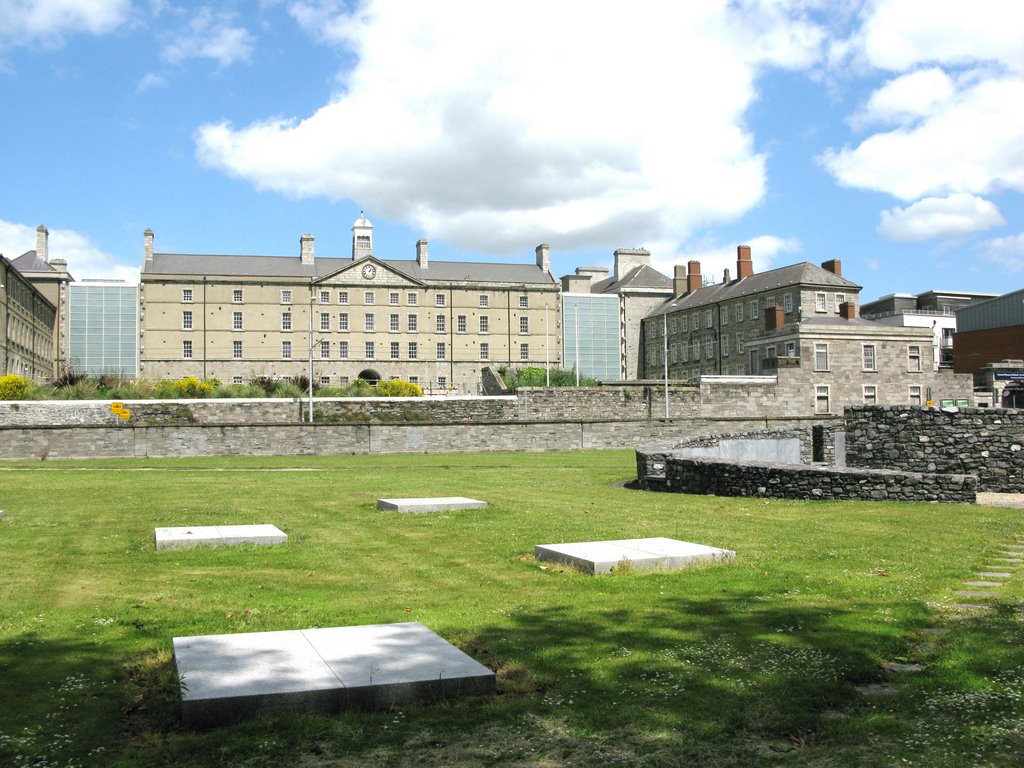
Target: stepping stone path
<point>218,536</point>
<point>594,557</point>
<point>434,504</point>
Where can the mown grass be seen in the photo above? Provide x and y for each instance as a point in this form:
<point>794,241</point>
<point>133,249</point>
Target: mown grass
<point>755,663</point>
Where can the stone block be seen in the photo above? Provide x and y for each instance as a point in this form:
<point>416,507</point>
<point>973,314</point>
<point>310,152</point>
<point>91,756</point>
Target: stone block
<point>218,536</point>
<point>596,557</point>
<point>226,678</point>
<point>438,504</point>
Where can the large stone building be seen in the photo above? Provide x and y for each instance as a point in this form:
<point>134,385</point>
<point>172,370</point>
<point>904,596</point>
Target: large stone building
<point>51,278</point>
<point>27,322</point>
<point>432,322</point>
<point>802,317</point>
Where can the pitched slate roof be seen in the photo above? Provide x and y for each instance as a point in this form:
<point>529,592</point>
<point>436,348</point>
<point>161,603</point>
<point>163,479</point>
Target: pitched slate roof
<point>803,273</point>
<point>30,261</point>
<point>638,278</point>
<point>292,267</point>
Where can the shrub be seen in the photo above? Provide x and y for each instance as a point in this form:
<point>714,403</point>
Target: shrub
<point>538,377</point>
<point>399,388</point>
<point>189,388</point>
<point>287,388</point>
<point>13,387</point>
<point>69,377</point>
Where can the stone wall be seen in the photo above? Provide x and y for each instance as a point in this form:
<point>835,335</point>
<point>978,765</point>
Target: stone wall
<point>613,402</point>
<point>726,477</point>
<point>987,442</point>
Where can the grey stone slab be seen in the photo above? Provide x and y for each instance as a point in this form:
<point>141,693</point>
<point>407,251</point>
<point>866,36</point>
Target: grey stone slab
<point>995,575</point>
<point>229,677</point>
<point>596,557</point>
<point>437,504</point>
<point>1008,559</point>
<point>899,666</point>
<point>218,536</point>
<point>971,607</point>
<point>983,583</point>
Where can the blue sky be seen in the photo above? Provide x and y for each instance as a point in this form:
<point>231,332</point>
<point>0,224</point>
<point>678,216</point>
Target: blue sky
<point>879,133</point>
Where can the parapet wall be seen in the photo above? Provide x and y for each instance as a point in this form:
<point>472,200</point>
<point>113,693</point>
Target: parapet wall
<point>727,477</point>
<point>987,442</point>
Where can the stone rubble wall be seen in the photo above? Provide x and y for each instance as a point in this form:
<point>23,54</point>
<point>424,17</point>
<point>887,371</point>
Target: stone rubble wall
<point>987,442</point>
<point>726,477</point>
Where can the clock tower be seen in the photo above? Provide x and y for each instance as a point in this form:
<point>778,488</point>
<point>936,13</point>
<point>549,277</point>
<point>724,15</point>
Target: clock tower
<point>362,238</point>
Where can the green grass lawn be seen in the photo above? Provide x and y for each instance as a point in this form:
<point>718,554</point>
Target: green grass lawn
<point>757,662</point>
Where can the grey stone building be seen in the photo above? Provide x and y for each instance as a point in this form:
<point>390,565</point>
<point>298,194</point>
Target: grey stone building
<point>51,278</point>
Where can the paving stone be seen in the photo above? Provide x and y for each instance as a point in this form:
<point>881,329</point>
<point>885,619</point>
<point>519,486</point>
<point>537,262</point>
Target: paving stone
<point>995,575</point>
<point>1008,559</point>
<point>974,593</point>
<point>596,557</point>
<point>218,536</point>
<point>899,666</point>
<point>230,677</point>
<point>878,689</point>
<point>438,504</point>
<point>971,607</point>
<point>983,583</point>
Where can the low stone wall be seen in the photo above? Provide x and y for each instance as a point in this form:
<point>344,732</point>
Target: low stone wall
<point>726,477</point>
<point>987,442</point>
<point>613,402</point>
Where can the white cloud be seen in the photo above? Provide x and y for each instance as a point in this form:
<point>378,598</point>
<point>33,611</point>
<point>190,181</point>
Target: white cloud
<point>1007,252</point>
<point>48,22</point>
<point>907,99</point>
<point>85,259</point>
<point>210,35</point>
<point>494,126</point>
<point>150,80</point>
<point>715,258</point>
<point>936,217</point>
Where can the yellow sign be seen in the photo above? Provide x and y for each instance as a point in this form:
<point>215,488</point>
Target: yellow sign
<point>125,414</point>
<point>118,409</point>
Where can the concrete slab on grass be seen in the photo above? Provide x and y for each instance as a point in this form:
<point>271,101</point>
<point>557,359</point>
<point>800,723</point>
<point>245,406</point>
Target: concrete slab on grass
<point>229,677</point>
<point>596,557</point>
<point>438,504</point>
<point>218,536</point>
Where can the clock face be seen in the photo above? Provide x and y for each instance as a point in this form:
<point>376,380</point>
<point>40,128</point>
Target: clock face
<point>369,271</point>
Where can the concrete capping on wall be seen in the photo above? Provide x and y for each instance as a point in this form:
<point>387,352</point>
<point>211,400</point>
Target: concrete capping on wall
<point>987,442</point>
<point>726,477</point>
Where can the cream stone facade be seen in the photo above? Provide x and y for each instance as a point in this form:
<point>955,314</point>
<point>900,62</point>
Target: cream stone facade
<point>27,322</point>
<point>436,323</point>
<point>50,277</point>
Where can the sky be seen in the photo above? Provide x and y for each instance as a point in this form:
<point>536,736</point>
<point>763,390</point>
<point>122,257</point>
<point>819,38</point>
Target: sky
<point>886,134</point>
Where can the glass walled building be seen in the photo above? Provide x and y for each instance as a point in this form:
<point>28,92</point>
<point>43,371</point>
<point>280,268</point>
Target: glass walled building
<point>592,335</point>
<point>103,328</point>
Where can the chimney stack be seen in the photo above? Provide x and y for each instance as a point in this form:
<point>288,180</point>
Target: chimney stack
<point>744,264</point>
<point>693,282</point>
<point>848,310</point>
<point>679,281</point>
<point>306,249</point>
<point>42,243</point>
<point>147,248</point>
<point>544,257</point>
<point>835,266</point>
<point>726,276</point>
<point>421,253</point>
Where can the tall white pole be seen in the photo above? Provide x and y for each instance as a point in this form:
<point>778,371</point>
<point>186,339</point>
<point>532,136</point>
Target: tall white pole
<point>576,339</point>
<point>547,348</point>
<point>311,357</point>
<point>664,334</point>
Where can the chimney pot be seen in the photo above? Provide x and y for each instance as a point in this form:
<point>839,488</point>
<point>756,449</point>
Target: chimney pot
<point>679,281</point>
<point>306,249</point>
<point>147,247</point>
<point>42,243</point>
<point>693,281</point>
<point>421,253</point>
<point>544,257</point>
<point>744,264</point>
<point>835,266</point>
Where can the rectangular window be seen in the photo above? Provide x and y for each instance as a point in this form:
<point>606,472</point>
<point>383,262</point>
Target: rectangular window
<point>186,349</point>
<point>674,352</point>
<point>394,350</point>
<point>286,350</point>
<point>286,321</point>
<point>869,357</point>
<point>819,302</point>
<point>695,349</point>
<point>236,350</point>
<point>769,302</point>
<point>485,324</point>
<point>441,350</point>
<point>394,323</point>
<point>787,303</point>
<point>369,298</point>
<point>914,359</point>
<point>369,322</point>
<point>723,315</point>
<point>870,394</point>
<point>484,300</point>
<point>325,380</point>
<point>442,382</point>
<point>524,351</point>
<point>370,350</point>
<point>739,313</point>
<point>684,352</point>
<point>461,324</point>
<point>684,326</point>
<point>915,395</point>
<point>821,404</point>
<point>439,300</point>
<point>325,321</point>
<point>524,302</point>
<point>413,323</point>
<point>414,350</point>
<point>236,379</point>
<point>753,310</point>
<point>770,352</point>
<point>790,349</point>
<point>709,347</point>
<point>236,321</point>
<point>411,299</point>
<point>343,297</point>
<point>343,350</point>
<point>695,321</point>
<point>739,342</point>
<point>286,297</point>
<point>343,321</point>
<point>186,320</point>
<point>708,319</point>
<point>325,297</point>
<point>673,325</point>
<point>524,325</point>
<point>821,357</point>
<point>840,300</point>
<point>186,294</point>
<point>236,295</point>
<point>725,345</point>
<point>485,351</point>
<point>394,298</point>
<point>325,350</point>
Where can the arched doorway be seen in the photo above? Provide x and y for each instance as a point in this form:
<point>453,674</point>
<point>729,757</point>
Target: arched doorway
<point>370,376</point>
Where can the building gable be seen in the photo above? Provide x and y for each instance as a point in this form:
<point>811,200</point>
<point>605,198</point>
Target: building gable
<point>368,272</point>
